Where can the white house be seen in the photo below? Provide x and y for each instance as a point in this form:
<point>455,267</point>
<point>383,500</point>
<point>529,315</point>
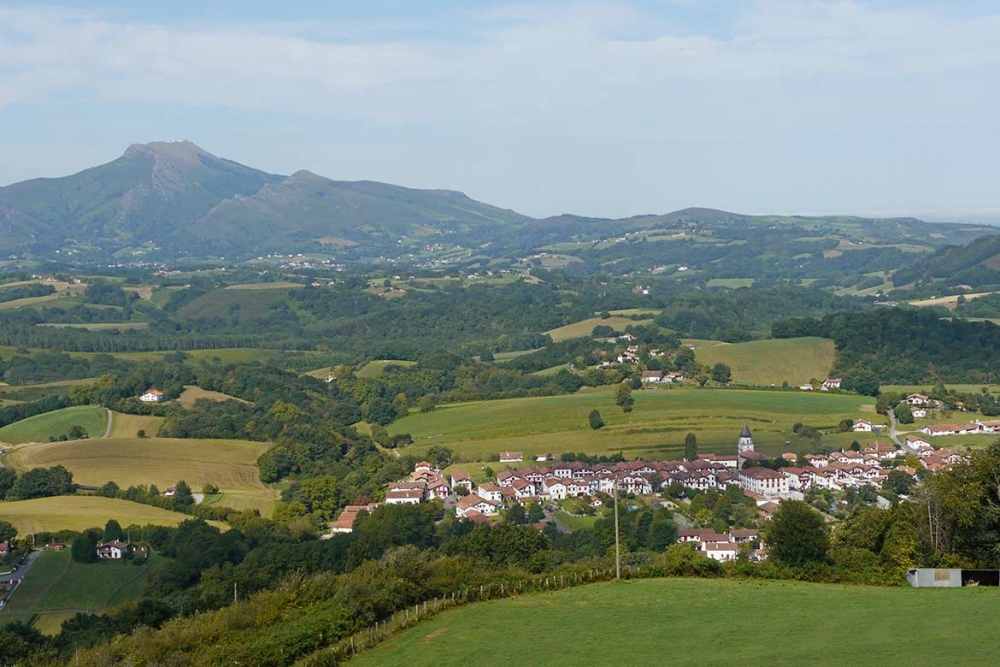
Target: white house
<point>652,377</point>
<point>830,383</point>
<point>863,426</point>
<point>764,482</point>
<point>556,488</point>
<point>477,503</point>
<point>722,551</point>
<point>918,399</point>
<point>152,396</point>
<point>113,549</point>
<point>406,497</point>
<point>918,413</point>
<point>511,457</point>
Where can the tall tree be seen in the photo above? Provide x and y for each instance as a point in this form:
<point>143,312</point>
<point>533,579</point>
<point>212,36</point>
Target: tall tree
<point>690,447</point>
<point>595,419</point>
<point>797,534</point>
<point>623,397</point>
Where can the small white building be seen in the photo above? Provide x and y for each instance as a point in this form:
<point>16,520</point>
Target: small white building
<point>863,426</point>
<point>115,550</point>
<point>511,457</point>
<point>404,497</point>
<point>152,396</point>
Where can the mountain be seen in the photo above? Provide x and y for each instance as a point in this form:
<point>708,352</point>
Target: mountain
<point>126,202</point>
<point>168,199</point>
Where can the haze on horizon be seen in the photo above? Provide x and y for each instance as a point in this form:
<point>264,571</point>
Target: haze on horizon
<point>879,107</point>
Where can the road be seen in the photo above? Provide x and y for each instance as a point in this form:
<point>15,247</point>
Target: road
<point>111,423</point>
<point>894,436</point>
<point>21,571</point>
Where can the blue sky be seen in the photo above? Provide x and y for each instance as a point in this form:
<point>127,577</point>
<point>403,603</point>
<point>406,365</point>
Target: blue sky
<point>605,108</point>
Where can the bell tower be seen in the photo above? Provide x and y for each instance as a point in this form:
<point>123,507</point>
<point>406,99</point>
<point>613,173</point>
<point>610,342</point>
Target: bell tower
<point>744,444</point>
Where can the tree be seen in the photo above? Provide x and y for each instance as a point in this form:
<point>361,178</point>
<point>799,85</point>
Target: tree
<point>903,413</point>
<point>7,532</point>
<point>440,456</point>
<point>797,534</point>
<point>76,432</point>
<point>721,373</point>
<point>595,419</point>
<point>113,531</point>
<point>84,549</point>
<point>899,483</point>
<point>862,381</point>
<point>209,489</point>
<point>109,490</point>
<point>535,512</point>
<point>7,479</point>
<point>516,514</point>
<point>662,533</point>
<point>623,397</point>
<point>183,498</point>
<point>690,447</point>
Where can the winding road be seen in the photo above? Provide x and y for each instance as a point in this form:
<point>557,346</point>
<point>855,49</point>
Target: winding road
<point>111,423</point>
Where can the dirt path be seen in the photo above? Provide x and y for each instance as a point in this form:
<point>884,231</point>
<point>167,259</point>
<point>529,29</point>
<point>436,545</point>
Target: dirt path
<point>111,424</point>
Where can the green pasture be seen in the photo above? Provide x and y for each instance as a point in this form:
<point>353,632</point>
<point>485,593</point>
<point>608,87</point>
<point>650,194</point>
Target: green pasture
<point>676,622</point>
<point>765,362</point>
<point>584,328</point>
<point>53,424</point>
<point>374,369</point>
<point>57,513</point>
<point>656,427</point>
<point>730,283</point>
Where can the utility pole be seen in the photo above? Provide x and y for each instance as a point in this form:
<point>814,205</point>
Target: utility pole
<point>235,600</point>
<point>618,553</point>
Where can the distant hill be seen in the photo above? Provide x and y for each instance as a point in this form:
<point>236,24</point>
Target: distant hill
<point>975,265</point>
<point>170,200</point>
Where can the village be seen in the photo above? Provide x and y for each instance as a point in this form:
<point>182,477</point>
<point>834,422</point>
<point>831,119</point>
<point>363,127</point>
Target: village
<point>759,477</point>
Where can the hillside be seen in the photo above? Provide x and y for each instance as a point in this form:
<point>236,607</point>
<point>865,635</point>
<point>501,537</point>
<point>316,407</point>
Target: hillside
<point>680,618</point>
<point>975,264</point>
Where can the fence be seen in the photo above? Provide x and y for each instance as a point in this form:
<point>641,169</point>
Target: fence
<point>370,636</point>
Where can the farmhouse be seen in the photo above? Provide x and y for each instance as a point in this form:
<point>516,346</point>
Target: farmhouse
<point>414,497</point>
<point>652,377</point>
<point>152,396</point>
<point>918,399</point>
<point>830,383</point>
<point>113,549</point>
<point>950,429</point>
<point>511,457</point>
<point>345,522</point>
<point>722,551</point>
<point>764,482</point>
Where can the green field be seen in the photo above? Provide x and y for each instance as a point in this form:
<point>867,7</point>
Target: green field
<point>53,424</point>
<point>677,622</point>
<point>374,369</point>
<point>101,326</point>
<point>584,328</point>
<point>32,392</point>
<point>730,283</point>
<point>82,512</point>
<point>55,585</point>
<point>656,427</point>
<point>764,362</point>
<point>229,464</point>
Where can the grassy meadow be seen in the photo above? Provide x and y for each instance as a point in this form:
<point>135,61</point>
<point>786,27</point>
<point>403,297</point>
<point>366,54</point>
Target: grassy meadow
<point>764,362</point>
<point>676,622</point>
<point>229,464</point>
<point>128,426</point>
<point>53,424</point>
<point>193,393</point>
<point>584,328</point>
<point>656,427</point>
<point>55,584</point>
<point>82,512</point>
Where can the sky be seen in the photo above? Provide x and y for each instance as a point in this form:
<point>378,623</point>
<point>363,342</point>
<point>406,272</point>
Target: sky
<point>604,108</point>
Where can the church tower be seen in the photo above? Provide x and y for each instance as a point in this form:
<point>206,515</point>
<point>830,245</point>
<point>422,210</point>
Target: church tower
<point>744,444</point>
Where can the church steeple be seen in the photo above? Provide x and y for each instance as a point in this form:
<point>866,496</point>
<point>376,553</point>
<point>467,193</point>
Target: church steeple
<point>744,444</point>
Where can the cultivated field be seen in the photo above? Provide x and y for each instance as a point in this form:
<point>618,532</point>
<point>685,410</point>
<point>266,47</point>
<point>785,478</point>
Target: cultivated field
<point>101,326</point>
<point>676,622</point>
<point>584,328</point>
<point>53,424</point>
<point>128,426</point>
<point>948,302</point>
<point>265,286</point>
<point>656,427</point>
<point>194,393</point>
<point>82,512</point>
<point>764,362</point>
<point>229,464</point>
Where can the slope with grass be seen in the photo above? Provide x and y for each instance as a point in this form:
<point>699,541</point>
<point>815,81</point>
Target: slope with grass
<point>656,427</point>
<point>584,328</point>
<point>193,393</point>
<point>763,362</point>
<point>82,512</point>
<point>677,622</point>
<point>128,426</point>
<point>374,369</point>
<point>228,464</point>
<point>53,424</point>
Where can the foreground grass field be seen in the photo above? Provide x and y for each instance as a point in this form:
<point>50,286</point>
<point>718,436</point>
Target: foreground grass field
<point>82,512</point>
<point>764,362</point>
<point>656,427</point>
<point>53,424</point>
<point>229,464</point>
<point>677,622</point>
